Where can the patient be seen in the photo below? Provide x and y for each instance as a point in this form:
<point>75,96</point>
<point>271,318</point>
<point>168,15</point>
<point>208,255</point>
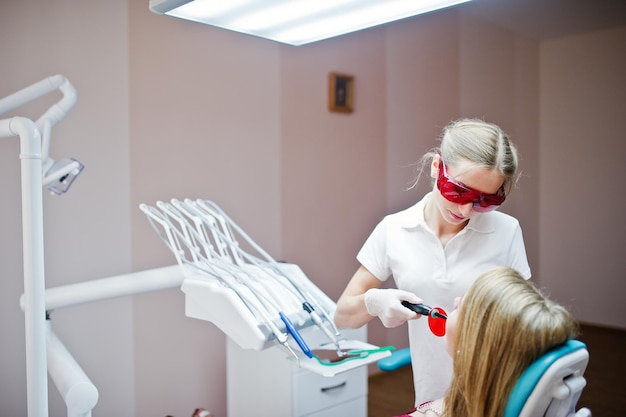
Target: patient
<point>502,325</point>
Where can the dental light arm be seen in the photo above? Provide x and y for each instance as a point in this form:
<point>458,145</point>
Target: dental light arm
<point>56,112</point>
<point>58,175</point>
<point>34,157</point>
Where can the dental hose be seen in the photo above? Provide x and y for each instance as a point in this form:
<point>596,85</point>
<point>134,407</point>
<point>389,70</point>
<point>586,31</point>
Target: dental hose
<point>259,305</point>
<point>306,305</point>
<point>281,337</point>
<point>175,210</point>
<point>318,321</point>
<point>154,215</point>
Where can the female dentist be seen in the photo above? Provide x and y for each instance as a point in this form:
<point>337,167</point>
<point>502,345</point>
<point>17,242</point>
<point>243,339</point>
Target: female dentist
<point>437,248</point>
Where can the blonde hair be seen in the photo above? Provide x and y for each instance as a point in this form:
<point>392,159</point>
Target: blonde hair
<point>482,143</point>
<point>505,323</point>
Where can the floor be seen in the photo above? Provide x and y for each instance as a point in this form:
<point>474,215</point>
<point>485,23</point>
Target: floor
<point>391,393</point>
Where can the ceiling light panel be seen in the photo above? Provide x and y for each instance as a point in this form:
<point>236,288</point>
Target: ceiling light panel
<point>296,22</point>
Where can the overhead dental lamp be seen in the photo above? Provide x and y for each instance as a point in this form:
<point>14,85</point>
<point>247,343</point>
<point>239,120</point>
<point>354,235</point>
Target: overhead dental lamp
<point>296,22</point>
<point>57,176</point>
<point>61,174</point>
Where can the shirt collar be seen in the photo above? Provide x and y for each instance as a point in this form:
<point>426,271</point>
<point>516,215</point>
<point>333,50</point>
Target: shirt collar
<point>414,215</point>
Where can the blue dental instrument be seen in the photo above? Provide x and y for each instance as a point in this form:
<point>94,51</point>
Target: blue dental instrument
<point>296,335</point>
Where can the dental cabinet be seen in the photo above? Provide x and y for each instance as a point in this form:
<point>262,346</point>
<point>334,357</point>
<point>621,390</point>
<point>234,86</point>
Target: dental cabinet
<point>274,317</point>
<point>266,382</point>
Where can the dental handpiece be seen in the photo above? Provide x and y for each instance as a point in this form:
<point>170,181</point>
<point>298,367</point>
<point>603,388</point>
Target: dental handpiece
<point>424,310</point>
<point>318,321</point>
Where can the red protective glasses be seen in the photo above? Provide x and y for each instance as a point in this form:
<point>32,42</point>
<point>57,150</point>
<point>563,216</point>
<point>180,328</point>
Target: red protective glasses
<point>457,192</point>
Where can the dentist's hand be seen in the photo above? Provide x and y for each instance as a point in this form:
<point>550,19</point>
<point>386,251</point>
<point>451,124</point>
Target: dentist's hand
<point>387,305</point>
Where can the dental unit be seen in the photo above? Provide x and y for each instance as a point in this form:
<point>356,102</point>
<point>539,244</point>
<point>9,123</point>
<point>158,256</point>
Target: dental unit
<point>257,301</point>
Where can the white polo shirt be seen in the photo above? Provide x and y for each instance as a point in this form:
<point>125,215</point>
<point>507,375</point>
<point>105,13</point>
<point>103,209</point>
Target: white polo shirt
<point>402,246</point>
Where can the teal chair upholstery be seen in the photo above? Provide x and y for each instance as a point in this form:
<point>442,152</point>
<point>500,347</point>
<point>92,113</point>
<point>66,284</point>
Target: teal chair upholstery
<point>398,359</point>
<point>550,387</point>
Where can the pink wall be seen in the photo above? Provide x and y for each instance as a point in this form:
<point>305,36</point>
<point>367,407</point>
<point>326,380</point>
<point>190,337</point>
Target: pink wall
<point>333,178</point>
<point>499,82</point>
<point>87,231</point>
<point>423,96</point>
<point>205,123</point>
<point>583,97</point>
<point>176,109</point>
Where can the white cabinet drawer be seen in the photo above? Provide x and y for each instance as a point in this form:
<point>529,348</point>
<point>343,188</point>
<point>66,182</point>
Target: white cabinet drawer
<point>313,392</point>
<point>356,407</point>
<point>265,383</point>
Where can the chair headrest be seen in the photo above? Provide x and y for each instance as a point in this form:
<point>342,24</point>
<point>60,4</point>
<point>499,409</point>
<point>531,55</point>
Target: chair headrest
<point>529,379</point>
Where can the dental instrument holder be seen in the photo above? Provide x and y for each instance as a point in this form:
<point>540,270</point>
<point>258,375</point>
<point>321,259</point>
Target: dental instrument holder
<point>206,299</point>
<point>237,291</point>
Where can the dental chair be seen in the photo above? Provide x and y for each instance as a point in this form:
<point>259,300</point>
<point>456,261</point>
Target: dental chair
<point>550,387</point>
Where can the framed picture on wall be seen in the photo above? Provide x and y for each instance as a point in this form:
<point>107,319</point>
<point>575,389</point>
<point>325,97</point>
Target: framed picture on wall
<point>340,92</point>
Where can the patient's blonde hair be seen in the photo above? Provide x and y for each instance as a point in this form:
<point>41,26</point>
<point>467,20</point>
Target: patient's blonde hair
<point>505,323</point>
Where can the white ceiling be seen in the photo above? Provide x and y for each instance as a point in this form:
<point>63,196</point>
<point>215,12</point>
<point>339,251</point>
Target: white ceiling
<point>545,19</point>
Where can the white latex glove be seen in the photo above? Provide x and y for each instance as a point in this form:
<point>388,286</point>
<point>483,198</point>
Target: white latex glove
<point>387,305</point>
